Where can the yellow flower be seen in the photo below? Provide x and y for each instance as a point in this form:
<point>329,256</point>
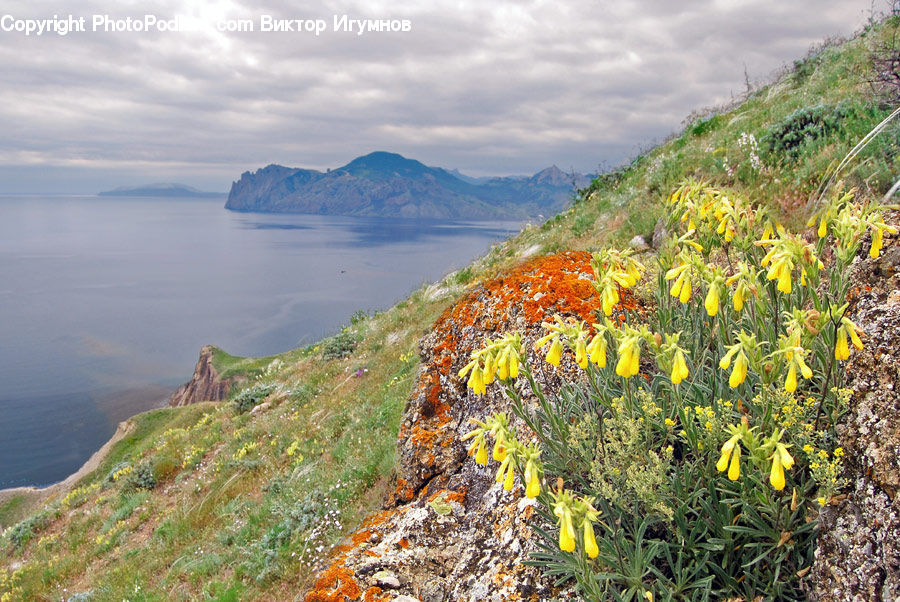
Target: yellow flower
<point>566,530</point>
<point>510,479</point>
<point>532,456</point>
<point>727,450</point>
<point>681,288</point>
<point>847,328</point>
<point>499,451</point>
<point>823,226</point>
<point>476,381</point>
<point>477,447</point>
<point>841,349</point>
<point>532,481</point>
<point>738,299</point>
<point>503,365</point>
<point>555,353</point>
<point>746,343</point>
<point>679,368</point>
<point>597,350</point>
<point>878,230</point>
<point>776,477</point>
<point>790,383</point>
<point>781,460</point>
<point>505,467</point>
<point>581,357</point>
<point>712,301</point>
<point>590,542</point>
<point>734,468</point>
<point>629,357</point>
<point>739,372</point>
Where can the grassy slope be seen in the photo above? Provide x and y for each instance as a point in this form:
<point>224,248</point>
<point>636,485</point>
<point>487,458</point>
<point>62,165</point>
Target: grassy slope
<point>247,505</point>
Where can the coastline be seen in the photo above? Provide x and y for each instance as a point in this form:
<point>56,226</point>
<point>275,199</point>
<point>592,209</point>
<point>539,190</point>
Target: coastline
<point>42,493</point>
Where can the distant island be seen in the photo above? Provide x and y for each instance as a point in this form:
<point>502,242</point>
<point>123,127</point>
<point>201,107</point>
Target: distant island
<point>161,190</point>
<point>383,184</point>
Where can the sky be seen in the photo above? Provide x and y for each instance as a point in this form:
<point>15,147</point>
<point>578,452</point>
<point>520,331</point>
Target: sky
<point>491,88</point>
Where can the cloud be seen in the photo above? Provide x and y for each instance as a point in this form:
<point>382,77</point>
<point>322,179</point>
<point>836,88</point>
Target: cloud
<point>490,88</point>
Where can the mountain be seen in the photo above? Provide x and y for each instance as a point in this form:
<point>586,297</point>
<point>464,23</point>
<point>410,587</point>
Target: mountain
<point>390,185</point>
<point>160,190</point>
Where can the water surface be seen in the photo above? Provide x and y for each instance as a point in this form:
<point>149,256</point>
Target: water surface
<point>105,303</point>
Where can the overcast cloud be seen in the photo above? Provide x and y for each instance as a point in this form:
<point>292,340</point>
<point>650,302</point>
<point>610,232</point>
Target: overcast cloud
<point>491,88</point>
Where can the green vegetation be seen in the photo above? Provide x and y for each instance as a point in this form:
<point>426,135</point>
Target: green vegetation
<point>644,461</point>
<point>247,505</point>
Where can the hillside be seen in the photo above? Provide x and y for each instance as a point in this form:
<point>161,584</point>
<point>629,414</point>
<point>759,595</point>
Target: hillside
<point>278,493</point>
<point>390,185</point>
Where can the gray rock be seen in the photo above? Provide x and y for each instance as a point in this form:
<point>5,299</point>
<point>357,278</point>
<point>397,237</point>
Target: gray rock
<point>660,234</point>
<point>858,549</point>
<point>638,243</point>
<point>386,579</point>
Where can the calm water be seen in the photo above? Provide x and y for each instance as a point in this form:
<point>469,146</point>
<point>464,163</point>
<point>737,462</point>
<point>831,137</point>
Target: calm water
<point>105,303</point>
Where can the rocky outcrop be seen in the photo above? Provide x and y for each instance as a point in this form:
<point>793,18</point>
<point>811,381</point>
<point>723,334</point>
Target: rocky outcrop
<point>858,552</point>
<point>450,531</point>
<point>205,384</point>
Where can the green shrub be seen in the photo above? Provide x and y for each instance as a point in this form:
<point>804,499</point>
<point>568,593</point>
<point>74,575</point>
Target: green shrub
<point>142,477</point>
<point>701,127</point>
<point>247,399</point>
<point>340,345</point>
<point>787,137</point>
<point>22,532</point>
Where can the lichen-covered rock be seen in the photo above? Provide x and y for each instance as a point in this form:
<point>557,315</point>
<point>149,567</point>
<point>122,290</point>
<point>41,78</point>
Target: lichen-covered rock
<point>450,531</point>
<point>858,550</point>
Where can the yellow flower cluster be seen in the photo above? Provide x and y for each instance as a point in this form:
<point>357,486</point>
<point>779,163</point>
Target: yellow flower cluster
<point>772,450</point>
<point>744,283</point>
<point>508,451</point>
<point>193,456</point>
<point>741,352</point>
<point>124,471</point>
<point>79,495</point>
<point>570,511</point>
<point>245,449</point>
<point>847,221</point>
<point>847,329</point>
<point>788,252</point>
<point>614,269</point>
<point>497,359</point>
<point>711,210</point>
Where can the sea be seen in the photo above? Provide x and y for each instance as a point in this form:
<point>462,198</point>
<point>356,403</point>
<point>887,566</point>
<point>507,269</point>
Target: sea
<point>105,303</point>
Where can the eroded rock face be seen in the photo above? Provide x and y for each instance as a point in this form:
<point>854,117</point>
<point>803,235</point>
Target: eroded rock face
<point>205,384</point>
<point>449,531</point>
<point>858,553</point>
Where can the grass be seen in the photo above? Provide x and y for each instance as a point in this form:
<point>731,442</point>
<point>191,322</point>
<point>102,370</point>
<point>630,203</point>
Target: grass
<point>248,506</point>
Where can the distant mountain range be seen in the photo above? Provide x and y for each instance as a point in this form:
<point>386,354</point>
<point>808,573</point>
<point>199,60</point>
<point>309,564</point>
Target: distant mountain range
<point>390,185</point>
<point>160,190</point>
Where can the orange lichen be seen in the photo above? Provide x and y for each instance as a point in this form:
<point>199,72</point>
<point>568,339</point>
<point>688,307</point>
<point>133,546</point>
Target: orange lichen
<point>373,595</point>
<point>335,585</point>
<point>449,495</point>
<point>403,543</point>
<point>404,491</point>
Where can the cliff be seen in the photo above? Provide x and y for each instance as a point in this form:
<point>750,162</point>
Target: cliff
<point>388,185</point>
<point>205,384</point>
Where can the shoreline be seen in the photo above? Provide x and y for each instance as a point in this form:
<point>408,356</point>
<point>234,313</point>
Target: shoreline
<point>122,429</point>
